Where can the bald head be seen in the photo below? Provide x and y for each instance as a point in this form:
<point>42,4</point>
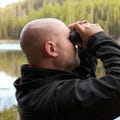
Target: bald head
<point>41,27</point>
<point>40,30</point>
<point>46,45</point>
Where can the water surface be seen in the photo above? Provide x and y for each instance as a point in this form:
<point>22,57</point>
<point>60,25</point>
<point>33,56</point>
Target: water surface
<point>11,59</point>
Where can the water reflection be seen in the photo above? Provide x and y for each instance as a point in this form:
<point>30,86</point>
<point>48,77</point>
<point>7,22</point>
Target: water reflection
<point>10,62</point>
<point>11,59</point>
<point>10,46</point>
<point>7,91</point>
<point>6,81</point>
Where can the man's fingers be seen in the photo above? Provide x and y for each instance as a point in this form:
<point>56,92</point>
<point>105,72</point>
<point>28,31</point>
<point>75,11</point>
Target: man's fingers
<point>82,22</point>
<point>72,26</point>
<point>78,27</point>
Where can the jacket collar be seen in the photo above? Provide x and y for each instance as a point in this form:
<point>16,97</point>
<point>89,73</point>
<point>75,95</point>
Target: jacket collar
<point>28,72</point>
<point>35,77</point>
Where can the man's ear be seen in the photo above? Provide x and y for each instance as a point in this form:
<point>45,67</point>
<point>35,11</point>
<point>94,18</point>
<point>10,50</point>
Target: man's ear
<point>51,49</point>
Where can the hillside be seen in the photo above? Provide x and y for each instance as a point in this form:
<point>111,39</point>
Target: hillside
<point>15,16</point>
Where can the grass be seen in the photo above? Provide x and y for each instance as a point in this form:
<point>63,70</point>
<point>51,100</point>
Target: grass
<point>9,114</point>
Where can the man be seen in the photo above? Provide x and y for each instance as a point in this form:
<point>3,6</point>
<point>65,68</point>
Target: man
<point>57,84</point>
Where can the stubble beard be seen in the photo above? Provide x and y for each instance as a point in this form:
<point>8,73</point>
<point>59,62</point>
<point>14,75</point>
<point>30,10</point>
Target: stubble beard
<point>75,63</point>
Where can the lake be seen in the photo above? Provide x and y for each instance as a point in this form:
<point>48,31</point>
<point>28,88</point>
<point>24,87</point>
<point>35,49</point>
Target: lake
<point>11,59</point>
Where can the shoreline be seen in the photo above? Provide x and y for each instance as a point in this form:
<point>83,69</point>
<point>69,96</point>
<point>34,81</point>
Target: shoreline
<point>9,41</point>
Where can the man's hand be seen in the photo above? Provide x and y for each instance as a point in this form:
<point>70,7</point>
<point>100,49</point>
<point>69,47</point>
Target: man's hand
<point>85,29</point>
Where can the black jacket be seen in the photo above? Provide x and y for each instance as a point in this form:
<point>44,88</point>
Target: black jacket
<point>45,94</point>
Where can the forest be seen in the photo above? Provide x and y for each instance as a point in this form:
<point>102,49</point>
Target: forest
<point>105,12</point>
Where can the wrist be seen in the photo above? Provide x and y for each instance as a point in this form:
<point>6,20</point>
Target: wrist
<point>96,40</point>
